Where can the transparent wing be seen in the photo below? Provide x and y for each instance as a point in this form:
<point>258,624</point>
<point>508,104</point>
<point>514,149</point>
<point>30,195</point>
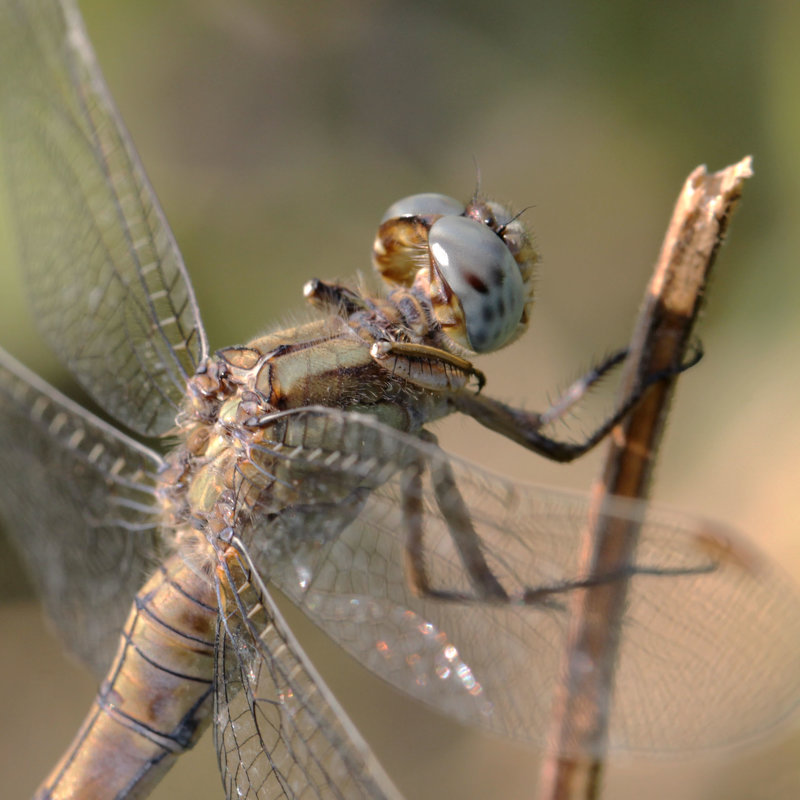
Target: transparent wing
<point>77,498</point>
<point>710,648</point>
<point>279,732</point>
<point>107,283</point>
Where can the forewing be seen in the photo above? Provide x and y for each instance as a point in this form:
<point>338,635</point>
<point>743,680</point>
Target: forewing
<point>710,649</point>
<point>108,286</point>
<point>77,498</point>
<point>279,732</point>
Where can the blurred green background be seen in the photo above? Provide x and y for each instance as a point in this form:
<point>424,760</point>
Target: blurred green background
<point>276,134</point>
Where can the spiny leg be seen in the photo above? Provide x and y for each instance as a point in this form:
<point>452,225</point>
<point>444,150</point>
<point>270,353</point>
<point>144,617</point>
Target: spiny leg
<point>578,390</point>
<point>543,594</point>
<point>434,368</point>
<point>523,427</point>
<point>487,588</point>
<point>462,532</point>
<point>426,366</point>
<point>413,516</point>
<point>333,297</point>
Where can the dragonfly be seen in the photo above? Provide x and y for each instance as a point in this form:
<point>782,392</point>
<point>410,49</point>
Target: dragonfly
<point>300,464</point>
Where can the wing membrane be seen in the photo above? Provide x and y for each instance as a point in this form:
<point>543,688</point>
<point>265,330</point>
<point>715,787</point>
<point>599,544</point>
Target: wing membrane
<point>109,288</point>
<point>77,498</point>
<point>711,639</point>
<point>279,732</point>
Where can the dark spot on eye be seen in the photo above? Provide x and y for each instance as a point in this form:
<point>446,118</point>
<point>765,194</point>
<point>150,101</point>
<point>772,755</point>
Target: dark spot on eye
<point>488,314</point>
<point>498,276</point>
<point>501,306</point>
<point>476,283</point>
<point>478,340</point>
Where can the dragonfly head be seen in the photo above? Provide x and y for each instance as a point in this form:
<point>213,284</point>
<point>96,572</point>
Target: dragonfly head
<point>474,263</point>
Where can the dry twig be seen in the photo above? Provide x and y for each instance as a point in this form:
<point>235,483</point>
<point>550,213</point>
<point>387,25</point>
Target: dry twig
<point>660,342</point>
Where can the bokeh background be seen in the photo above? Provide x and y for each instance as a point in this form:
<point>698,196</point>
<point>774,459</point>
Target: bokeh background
<point>276,134</point>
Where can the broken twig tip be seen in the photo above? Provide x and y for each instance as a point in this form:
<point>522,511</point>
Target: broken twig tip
<point>744,169</point>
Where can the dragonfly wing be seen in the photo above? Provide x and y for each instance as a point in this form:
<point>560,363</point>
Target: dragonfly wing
<point>710,644</point>
<point>279,732</point>
<point>77,498</point>
<point>109,288</point>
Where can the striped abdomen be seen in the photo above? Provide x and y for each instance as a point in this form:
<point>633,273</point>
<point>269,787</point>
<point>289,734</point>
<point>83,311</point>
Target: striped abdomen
<point>157,698</point>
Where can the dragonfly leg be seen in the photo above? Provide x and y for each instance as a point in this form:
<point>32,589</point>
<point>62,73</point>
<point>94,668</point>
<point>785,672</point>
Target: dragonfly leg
<point>543,594</point>
<point>416,571</point>
<point>427,366</point>
<point>486,586</point>
<point>577,391</point>
<point>466,540</point>
<point>523,427</point>
<point>333,297</point>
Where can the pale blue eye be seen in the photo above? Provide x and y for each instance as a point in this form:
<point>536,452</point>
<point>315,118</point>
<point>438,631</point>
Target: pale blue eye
<point>480,270</point>
<point>427,204</point>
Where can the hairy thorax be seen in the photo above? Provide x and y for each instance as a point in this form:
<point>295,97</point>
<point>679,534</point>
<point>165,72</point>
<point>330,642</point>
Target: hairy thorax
<point>234,460</point>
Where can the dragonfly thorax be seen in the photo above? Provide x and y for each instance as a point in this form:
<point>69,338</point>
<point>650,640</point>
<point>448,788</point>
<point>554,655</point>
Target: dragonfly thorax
<point>232,461</point>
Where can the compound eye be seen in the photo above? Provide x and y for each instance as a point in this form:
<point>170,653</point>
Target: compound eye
<point>427,204</point>
<point>481,272</point>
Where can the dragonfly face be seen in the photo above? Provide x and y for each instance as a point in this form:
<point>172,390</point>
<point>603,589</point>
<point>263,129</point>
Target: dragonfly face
<point>301,463</point>
<point>475,262</point>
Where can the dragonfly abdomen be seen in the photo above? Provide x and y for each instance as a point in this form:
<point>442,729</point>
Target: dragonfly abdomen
<point>156,700</point>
